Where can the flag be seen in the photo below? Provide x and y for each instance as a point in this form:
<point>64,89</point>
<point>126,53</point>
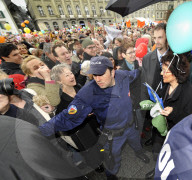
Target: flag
<point>154,96</point>
<point>140,24</point>
<point>128,23</point>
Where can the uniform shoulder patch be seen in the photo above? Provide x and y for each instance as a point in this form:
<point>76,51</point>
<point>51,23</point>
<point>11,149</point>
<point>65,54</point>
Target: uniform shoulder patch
<point>72,109</point>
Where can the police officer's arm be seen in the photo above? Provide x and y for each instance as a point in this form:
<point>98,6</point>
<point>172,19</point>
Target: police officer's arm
<point>68,119</point>
<point>133,75</point>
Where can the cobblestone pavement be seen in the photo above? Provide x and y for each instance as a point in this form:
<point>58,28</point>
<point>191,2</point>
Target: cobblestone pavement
<point>132,168</point>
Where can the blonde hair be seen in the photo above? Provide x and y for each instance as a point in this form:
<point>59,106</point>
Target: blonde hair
<point>24,64</point>
<point>40,100</point>
<point>3,75</point>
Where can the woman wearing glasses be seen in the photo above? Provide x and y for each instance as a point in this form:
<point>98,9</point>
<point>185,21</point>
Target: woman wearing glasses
<point>176,94</point>
<point>130,63</point>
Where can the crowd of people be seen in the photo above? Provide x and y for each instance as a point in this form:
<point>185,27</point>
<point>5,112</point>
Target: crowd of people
<point>55,81</point>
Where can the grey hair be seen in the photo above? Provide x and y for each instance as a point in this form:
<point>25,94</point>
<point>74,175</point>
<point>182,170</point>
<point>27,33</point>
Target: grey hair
<point>57,70</point>
<point>47,47</point>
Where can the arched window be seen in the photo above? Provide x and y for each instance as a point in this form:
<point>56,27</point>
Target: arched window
<point>104,22</point>
<point>40,9</point>
<point>56,26</point>
<point>47,25</point>
<point>69,10</point>
<point>60,10</point>
<point>73,23</point>
<point>50,10</point>
<point>161,15</point>
<point>96,21</point>
<point>78,10</point>
<point>93,10</point>
<point>65,25</point>
<point>157,15</point>
<point>86,10</point>
<point>101,11</point>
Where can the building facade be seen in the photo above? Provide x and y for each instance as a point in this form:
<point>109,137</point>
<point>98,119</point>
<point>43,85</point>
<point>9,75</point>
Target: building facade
<point>156,12</point>
<point>6,17</point>
<point>59,14</point>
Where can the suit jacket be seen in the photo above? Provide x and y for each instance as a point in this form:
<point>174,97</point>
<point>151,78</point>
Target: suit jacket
<point>150,73</point>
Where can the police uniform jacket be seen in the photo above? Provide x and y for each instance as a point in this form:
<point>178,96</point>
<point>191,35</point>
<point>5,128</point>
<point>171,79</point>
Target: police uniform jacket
<point>112,106</point>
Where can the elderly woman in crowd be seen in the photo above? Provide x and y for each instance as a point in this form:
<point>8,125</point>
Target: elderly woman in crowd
<point>62,74</point>
<point>39,79</point>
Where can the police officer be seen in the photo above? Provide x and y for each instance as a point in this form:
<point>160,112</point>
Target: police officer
<point>108,97</point>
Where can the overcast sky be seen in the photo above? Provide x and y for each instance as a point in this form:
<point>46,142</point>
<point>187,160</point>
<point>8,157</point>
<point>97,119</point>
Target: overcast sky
<point>19,2</point>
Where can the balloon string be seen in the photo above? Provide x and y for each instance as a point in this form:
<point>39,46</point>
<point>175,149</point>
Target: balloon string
<point>166,71</point>
<point>178,65</point>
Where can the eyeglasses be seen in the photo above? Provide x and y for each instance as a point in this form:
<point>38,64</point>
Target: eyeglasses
<point>165,71</point>
<point>91,47</point>
<point>132,52</point>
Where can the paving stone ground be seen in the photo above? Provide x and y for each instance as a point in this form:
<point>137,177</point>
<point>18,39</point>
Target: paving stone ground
<point>132,168</point>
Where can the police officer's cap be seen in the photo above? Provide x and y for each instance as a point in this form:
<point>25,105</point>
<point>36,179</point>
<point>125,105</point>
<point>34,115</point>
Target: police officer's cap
<point>99,65</point>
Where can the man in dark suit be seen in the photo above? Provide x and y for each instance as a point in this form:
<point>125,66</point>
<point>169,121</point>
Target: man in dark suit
<point>151,65</point>
<point>151,69</point>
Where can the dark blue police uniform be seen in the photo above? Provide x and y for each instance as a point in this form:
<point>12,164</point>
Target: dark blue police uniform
<point>112,107</point>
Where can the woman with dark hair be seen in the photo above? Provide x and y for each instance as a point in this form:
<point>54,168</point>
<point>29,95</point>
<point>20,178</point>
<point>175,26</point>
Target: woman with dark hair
<point>176,95</point>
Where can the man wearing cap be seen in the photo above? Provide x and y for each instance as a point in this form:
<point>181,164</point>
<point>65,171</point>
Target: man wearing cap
<point>108,97</point>
<point>89,49</point>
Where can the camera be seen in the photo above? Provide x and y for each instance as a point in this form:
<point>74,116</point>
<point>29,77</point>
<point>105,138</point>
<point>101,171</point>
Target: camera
<point>7,86</point>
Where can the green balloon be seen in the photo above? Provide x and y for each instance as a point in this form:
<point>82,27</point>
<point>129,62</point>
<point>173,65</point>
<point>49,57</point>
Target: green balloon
<point>160,123</point>
<point>146,105</point>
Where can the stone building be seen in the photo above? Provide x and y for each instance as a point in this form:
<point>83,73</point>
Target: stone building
<point>58,14</point>
<point>156,12</point>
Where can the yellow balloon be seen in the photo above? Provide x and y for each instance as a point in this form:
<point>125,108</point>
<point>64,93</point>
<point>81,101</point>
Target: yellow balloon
<point>27,30</point>
<point>7,26</point>
<point>40,33</point>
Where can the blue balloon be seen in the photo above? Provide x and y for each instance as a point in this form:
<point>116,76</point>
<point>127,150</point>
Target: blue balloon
<point>56,32</point>
<point>179,29</point>
<point>43,31</point>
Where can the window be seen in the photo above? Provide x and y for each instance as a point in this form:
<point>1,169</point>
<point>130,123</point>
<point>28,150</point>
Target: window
<point>96,22</point>
<point>47,25</point>
<point>56,26</point>
<point>65,25</point>
<point>93,10</point>
<point>108,13</point>
<point>103,22</point>
<point>50,10</point>
<point>60,10</point>
<point>101,11</point>
<point>157,15</point>
<point>73,23</point>
<point>69,10</point>
<point>78,10</point>
<point>161,15</point>
<point>41,12</point>
<point>86,10</point>
<point>1,26</point>
<point>2,15</point>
